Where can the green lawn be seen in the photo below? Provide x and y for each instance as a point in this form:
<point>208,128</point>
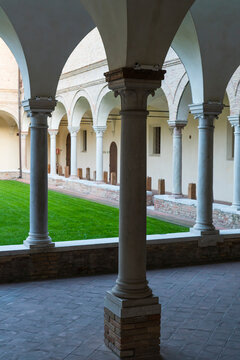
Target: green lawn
<point>70,218</point>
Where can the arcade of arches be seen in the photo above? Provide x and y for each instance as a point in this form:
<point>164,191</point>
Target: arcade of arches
<point>100,109</point>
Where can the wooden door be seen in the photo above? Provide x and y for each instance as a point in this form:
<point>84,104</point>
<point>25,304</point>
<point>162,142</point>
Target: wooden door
<point>113,159</point>
<point>68,152</point>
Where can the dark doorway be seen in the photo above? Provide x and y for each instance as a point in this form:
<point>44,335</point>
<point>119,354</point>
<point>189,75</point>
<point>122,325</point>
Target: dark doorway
<point>113,159</point>
<point>68,152</point>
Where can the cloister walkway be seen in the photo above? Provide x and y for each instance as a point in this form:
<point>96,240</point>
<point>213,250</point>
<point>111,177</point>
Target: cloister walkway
<point>63,319</point>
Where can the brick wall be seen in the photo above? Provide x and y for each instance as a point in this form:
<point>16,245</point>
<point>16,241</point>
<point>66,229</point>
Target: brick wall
<point>99,257</point>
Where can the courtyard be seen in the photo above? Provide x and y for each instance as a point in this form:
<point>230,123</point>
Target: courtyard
<point>63,319</point>
<point>70,217</point>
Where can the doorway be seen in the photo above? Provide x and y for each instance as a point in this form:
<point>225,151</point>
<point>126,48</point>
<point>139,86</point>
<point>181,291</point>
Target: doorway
<point>113,159</point>
<point>68,152</point>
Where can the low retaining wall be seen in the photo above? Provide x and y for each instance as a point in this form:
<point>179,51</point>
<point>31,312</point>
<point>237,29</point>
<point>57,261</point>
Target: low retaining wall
<point>85,187</point>
<point>224,216</point>
<point>9,175</point>
<point>87,257</point>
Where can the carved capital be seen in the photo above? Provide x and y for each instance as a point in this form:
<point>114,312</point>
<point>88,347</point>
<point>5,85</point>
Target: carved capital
<point>177,123</point>
<point>73,130</point>
<point>99,129</point>
<point>209,110</point>
<point>39,105</point>
<point>234,120</point>
<point>134,86</point>
<point>53,132</point>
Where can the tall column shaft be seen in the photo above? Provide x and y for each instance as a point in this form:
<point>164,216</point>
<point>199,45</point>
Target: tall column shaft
<point>53,134</point>
<point>132,222</point>
<point>39,109</point>
<point>131,282</point>
<point>206,113</point>
<point>73,131</point>
<point>235,122</point>
<point>177,157</point>
<point>131,300</point>
<point>177,161</point>
<point>99,151</point>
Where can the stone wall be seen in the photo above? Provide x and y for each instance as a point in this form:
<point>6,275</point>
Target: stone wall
<point>84,187</point>
<point>88,257</point>
<point>224,216</point>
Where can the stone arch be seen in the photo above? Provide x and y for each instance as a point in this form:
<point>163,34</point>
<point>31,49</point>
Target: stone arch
<point>57,115</point>
<point>81,103</point>
<point>184,101</point>
<point>105,104</point>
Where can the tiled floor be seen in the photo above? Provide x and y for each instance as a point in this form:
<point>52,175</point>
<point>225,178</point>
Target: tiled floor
<point>63,319</point>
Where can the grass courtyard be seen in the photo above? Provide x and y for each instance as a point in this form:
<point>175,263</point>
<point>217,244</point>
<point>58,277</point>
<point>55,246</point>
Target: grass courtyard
<point>70,218</point>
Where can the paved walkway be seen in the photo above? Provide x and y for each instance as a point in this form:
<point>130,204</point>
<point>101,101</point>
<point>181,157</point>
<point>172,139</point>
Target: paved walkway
<point>63,319</point>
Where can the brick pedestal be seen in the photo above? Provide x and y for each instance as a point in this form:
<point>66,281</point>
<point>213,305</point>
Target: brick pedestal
<point>132,327</point>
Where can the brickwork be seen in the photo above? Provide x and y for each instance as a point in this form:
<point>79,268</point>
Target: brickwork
<point>221,219</point>
<point>76,260</point>
<point>135,337</point>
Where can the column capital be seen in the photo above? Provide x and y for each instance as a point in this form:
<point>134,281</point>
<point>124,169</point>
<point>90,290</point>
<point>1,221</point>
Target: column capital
<point>53,132</point>
<point>234,120</point>
<point>99,129</point>
<point>134,86</point>
<point>24,134</point>
<point>209,109</point>
<point>177,123</point>
<point>42,105</point>
<point>73,130</point>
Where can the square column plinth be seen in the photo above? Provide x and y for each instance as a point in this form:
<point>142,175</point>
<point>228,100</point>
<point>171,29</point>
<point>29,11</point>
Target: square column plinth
<point>132,327</point>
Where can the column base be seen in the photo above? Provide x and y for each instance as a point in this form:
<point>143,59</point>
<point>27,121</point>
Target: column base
<point>132,327</point>
<point>74,177</point>
<point>176,196</point>
<point>131,290</point>
<point>236,207</point>
<point>37,241</point>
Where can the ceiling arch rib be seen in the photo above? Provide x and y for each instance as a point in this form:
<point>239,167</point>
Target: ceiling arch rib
<point>47,32</point>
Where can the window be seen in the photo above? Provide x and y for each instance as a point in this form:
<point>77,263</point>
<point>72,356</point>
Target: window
<point>156,140</point>
<point>84,140</point>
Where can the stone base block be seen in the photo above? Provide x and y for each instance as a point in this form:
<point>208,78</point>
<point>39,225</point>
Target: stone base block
<point>132,327</point>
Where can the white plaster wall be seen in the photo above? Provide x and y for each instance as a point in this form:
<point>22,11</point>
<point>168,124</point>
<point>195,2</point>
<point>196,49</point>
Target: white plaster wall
<point>9,147</point>
<point>109,137</point>
<point>223,166</point>
<point>86,158</point>
<point>159,166</point>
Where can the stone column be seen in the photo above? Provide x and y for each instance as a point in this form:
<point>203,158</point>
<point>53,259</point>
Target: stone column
<point>235,122</point>
<point>39,109</point>
<point>53,133</point>
<point>131,298</point>
<point>99,130</point>
<point>177,127</point>
<point>73,131</point>
<point>24,149</point>
<point>205,113</point>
